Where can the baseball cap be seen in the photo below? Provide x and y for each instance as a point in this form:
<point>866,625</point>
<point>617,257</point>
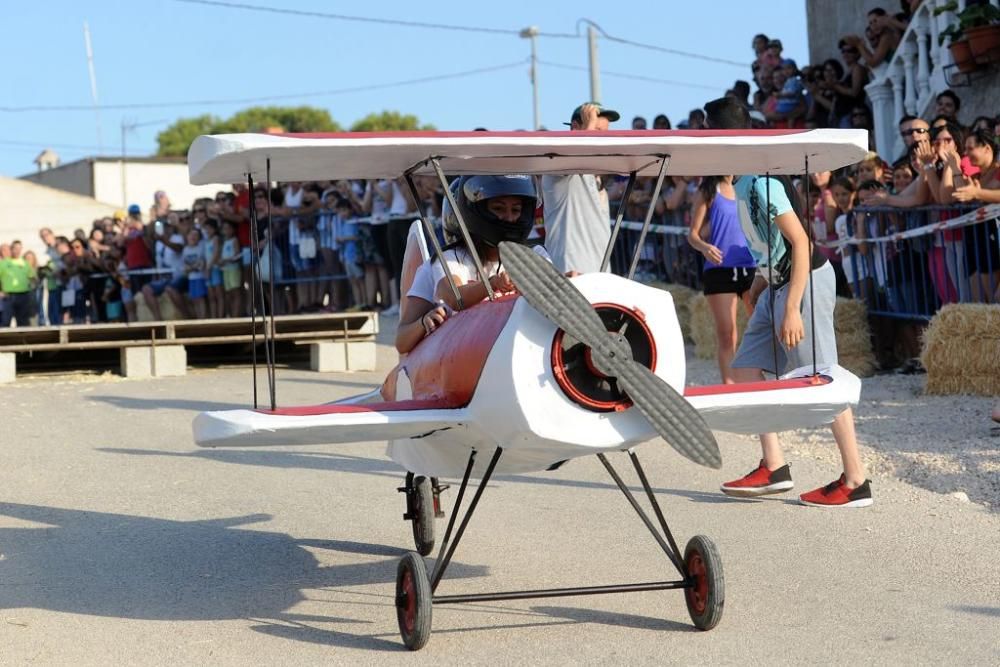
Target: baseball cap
<point>134,209</point>
<point>119,214</point>
<point>577,116</point>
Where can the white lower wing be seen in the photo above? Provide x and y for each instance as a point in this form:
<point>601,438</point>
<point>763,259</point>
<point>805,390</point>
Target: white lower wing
<point>794,401</point>
<point>324,424</point>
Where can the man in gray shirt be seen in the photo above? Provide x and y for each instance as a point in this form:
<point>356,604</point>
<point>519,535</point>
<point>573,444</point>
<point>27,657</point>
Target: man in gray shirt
<point>577,216</point>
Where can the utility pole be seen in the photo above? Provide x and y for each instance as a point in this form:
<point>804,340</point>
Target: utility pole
<point>595,68</point>
<point>532,34</point>
<point>93,83</point>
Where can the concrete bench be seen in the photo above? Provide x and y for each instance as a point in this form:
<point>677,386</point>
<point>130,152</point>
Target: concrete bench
<point>338,341</point>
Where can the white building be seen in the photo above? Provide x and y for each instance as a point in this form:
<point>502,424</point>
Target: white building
<point>119,182</point>
<point>27,207</point>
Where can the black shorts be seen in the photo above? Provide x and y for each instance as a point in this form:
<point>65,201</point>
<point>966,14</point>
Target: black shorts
<point>727,280</point>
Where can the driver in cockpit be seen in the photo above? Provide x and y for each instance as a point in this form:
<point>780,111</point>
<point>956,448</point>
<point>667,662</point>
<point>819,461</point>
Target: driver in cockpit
<point>495,209</point>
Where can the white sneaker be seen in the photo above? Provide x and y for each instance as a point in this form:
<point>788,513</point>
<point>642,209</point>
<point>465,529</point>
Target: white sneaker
<point>392,310</point>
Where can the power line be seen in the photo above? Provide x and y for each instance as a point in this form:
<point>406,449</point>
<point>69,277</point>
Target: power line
<point>368,19</point>
<point>45,144</point>
<point>268,98</point>
<point>663,49</point>
<point>624,75</point>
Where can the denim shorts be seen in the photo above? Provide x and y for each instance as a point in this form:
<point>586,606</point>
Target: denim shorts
<point>197,288</point>
<point>757,350</point>
<point>215,277</point>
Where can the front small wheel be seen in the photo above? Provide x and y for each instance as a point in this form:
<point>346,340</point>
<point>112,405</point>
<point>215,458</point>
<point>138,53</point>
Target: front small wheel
<point>707,595</point>
<point>422,515</point>
<point>413,601</point>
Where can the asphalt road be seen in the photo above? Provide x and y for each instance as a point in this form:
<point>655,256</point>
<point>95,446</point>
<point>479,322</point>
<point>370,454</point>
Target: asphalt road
<point>122,543</point>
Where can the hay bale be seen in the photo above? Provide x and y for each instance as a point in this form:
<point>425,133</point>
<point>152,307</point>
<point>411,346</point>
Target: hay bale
<point>703,326</point>
<point>682,297</point>
<point>854,344</point>
<point>962,350</point>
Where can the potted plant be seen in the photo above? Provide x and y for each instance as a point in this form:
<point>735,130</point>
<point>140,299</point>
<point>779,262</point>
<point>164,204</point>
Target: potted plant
<point>982,26</point>
<point>975,34</point>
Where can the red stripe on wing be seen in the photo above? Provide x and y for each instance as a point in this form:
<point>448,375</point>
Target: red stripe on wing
<point>334,409</point>
<point>764,385</point>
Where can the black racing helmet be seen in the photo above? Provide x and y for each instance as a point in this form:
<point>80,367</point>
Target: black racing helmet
<point>474,192</point>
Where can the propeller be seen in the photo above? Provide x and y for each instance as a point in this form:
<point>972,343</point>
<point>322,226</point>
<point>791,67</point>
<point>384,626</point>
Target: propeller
<point>559,301</point>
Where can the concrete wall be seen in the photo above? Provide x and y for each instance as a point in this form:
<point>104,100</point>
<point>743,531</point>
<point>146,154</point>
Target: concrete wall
<point>142,179</point>
<point>72,177</point>
<point>829,20</point>
<point>982,97</point>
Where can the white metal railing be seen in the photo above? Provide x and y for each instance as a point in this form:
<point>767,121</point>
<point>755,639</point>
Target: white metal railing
<point>910,81</point>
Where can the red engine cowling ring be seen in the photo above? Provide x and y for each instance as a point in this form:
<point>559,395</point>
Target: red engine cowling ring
<point>575,372</point>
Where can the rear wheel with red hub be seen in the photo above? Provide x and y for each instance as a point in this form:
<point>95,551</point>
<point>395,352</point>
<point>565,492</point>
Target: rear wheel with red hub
<point>707,595</point>
<point>413,601</point>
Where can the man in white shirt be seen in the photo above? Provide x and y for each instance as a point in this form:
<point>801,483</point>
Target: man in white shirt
<point>575,207</point>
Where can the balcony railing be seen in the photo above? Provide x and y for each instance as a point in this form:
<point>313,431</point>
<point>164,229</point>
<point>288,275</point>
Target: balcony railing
<point>915,75</point>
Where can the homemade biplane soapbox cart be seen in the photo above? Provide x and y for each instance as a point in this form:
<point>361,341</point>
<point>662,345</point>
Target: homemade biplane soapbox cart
<point>566,367</point>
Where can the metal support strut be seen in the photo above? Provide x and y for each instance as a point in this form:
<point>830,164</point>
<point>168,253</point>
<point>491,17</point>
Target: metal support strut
<point>622,205</point>
<point>665,540</point>
<point>432,237</point>
<point>664,163</point>
<point>442,563</point>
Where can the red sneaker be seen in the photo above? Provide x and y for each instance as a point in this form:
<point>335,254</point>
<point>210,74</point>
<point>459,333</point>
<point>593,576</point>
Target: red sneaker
<point>837,494</point>
<point>760,482</point>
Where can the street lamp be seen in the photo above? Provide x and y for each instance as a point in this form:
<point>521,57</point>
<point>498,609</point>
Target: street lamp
<point>531,33</point>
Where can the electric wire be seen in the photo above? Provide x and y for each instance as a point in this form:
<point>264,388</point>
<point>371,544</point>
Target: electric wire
<point>625,75</point>
<point>368,19</point>
<point>268,98</point>
<point>662,49</point>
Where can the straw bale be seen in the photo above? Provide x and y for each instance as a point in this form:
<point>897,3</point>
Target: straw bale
<point>962,350</point>
<point>854,345</point>
<point>703,326</point>
<point>862,366</point>
<point>983,385</point>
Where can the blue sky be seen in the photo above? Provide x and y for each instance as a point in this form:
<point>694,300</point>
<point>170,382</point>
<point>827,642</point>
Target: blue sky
<point>165,51</point>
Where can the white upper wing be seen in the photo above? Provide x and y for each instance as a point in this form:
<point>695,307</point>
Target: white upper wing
<point>228,158</point>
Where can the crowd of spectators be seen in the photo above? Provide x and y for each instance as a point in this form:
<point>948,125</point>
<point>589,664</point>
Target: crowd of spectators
<point>339,245</point>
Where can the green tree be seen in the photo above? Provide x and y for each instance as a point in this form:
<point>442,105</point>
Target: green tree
<point>389,121</point>
<point>289,119</point>
<point>176,139</point>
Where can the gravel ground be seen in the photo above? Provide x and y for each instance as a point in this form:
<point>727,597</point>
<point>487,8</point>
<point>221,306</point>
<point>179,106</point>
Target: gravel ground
<point>940,443</point>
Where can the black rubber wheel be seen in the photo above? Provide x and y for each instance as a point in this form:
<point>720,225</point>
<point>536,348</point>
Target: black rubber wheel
<point>422,515</point>
<point>707,597</point>
<point>413,601</point>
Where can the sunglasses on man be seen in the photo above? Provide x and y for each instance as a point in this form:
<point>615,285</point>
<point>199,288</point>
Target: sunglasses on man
<point>912,131</point>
